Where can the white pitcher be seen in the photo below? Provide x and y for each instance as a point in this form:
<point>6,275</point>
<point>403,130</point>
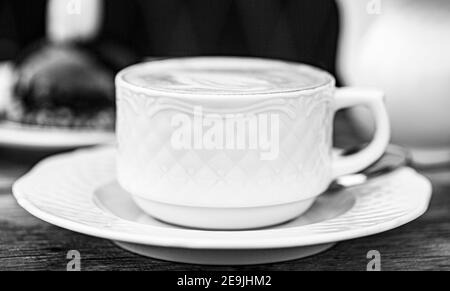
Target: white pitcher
<point>402,47</point>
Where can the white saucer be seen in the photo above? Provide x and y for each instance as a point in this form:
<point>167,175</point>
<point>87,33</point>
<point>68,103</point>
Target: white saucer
<point>77,191</point>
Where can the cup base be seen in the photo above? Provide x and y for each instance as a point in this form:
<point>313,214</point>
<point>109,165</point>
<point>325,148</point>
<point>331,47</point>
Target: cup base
<point>211,218</point>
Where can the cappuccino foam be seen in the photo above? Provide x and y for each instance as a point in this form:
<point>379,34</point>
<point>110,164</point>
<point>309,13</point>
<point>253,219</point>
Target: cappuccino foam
<point>225,76</point>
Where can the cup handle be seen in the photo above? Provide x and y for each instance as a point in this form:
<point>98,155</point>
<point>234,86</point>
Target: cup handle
<point>373,100</point>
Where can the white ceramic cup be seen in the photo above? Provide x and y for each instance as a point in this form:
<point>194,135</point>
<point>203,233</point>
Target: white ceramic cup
<point>274,174</point>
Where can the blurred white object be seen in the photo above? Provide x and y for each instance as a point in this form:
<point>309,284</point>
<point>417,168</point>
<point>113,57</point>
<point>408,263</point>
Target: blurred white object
<point>6,81</point>
<point>403,48</point>
<point>73,20</point>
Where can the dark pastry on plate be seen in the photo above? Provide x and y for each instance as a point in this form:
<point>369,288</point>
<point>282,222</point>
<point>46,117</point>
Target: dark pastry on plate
<point>63,86</point>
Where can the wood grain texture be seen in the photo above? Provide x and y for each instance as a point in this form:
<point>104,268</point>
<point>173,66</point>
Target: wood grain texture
<point>27,243</point>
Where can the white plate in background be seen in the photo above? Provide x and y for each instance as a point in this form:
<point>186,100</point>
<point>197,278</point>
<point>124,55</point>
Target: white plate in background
<point>42,138</point>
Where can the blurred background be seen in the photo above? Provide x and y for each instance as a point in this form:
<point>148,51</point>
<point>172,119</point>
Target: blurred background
<point>62,55</point>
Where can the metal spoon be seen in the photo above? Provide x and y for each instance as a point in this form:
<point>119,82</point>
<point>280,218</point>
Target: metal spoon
<point>395,157</point>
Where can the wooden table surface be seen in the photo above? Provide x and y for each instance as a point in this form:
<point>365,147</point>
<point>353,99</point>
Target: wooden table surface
<point>27,243</point>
